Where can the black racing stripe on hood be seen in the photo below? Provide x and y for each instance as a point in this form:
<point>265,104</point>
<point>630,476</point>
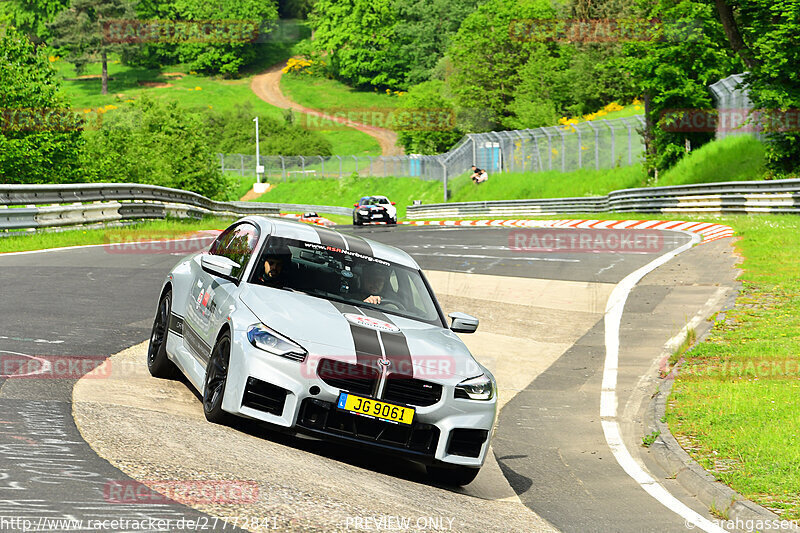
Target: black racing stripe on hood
<point>368,347</point>
<point>365,340</point>
<point>395,346</point>
<point>359,245</point>
<point>330,238</point>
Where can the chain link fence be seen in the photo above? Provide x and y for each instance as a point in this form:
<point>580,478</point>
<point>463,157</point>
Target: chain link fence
<point>734,108</point>
<point>596,144</point>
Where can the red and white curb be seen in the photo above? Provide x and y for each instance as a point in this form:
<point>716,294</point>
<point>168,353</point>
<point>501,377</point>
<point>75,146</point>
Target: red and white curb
<point>708,231</point>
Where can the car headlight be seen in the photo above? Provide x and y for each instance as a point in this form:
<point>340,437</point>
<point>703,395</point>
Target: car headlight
<point>273,342</point>
<point>479,388</point>
<point>363,212</point>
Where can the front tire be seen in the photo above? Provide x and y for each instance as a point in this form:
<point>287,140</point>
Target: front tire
<point>452,475</point>
<point>158,363</point>
<point>216,378</point>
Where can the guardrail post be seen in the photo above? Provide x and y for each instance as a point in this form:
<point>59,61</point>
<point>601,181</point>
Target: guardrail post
<point>303,165</point>
<point>563,151</point>
<point>580,146</point>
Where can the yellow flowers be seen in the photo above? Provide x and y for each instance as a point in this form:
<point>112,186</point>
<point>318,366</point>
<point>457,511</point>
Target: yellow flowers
<point>613,107</point>
<point>198,88</point>
<point>53,59</point>
<point>569,123</point>
<point>192,72</point>
<point>390,92</point>
<point>297,66</point>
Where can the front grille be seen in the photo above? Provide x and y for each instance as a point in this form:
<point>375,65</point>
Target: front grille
<point>358,379</point>
<point>323,417</point>
<point>410,391</point>
<point>467,442</point>
<point>264,396</point>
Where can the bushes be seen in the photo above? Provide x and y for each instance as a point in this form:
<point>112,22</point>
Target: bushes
<point>234,132</point>
<point>45,148</point>
<point>157,143</point>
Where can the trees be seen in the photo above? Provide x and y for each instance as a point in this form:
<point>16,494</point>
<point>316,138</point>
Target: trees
<point>154,142</point>
<point>356,38</point>
<point>32,16</point>
<point>39,138</point>
<point>673,70</point>
<point>386,43</point>
<point>766,35</point>
<point>486,57</point>
<point>78,30</point>
<point>440,135</point>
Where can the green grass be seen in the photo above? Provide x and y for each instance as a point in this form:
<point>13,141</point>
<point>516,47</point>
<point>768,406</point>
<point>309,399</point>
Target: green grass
<point>736,398</point>
<point>325,94</point>
<point>729,159</point>
<point>150,230</point>
<point>194,91</point>
<point>549,184</point>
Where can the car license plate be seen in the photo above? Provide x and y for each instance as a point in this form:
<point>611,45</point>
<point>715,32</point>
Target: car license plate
<point>375,408</point>
<point>377,216</point>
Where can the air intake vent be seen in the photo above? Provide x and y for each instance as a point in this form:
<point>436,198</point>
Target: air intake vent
<point>264,396</point>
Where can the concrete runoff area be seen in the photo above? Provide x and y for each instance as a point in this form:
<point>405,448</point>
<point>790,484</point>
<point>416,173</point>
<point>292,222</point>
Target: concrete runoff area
<point>92,302</point>
<point>122,416</point>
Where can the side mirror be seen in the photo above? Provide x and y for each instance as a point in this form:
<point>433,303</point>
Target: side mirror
<point>220,266</point>
<point>355,205</point>
<point>393,203</point>
<point>463,323</point>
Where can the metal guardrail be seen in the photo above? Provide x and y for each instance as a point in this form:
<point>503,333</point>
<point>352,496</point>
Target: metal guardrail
<point>734,197</point>
<point>43,206</point>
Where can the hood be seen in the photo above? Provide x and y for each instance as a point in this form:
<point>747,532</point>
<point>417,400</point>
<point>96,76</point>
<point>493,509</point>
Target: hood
<point>362,335</point>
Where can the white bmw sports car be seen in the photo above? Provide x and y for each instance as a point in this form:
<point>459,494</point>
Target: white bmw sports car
<point>330,335</point>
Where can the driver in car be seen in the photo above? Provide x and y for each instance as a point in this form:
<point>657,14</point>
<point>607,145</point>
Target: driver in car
<point>375,284</point>
<point>273,269</point>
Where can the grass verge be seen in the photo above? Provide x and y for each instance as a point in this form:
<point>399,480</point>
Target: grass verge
<point>150,230</point>
<point>734,405</point>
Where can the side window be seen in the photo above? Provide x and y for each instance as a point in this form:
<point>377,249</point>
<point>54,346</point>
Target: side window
<point>237,244</point>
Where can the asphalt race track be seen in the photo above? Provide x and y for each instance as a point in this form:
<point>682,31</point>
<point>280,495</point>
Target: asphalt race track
<point>90,303</point>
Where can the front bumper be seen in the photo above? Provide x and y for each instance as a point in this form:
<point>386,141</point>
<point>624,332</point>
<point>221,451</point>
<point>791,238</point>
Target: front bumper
<point>279,391</point>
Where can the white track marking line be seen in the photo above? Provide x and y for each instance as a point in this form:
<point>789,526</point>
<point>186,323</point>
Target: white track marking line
<point>45,367</point>
<point>106,245</point>
<point>609,400</point>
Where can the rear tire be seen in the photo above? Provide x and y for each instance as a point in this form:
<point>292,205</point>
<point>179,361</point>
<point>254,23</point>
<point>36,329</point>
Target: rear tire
<point>452,475</point>
<point>158,363</point>
<point>216,379</point>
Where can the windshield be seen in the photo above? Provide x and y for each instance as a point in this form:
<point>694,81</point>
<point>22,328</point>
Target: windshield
<point>345,276</point>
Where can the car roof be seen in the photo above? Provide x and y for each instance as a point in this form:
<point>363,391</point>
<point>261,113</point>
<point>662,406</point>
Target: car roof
<point>318,234</point>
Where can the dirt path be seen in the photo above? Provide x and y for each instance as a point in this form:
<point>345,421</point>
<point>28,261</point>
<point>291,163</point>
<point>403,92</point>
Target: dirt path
<point>267,86</point>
